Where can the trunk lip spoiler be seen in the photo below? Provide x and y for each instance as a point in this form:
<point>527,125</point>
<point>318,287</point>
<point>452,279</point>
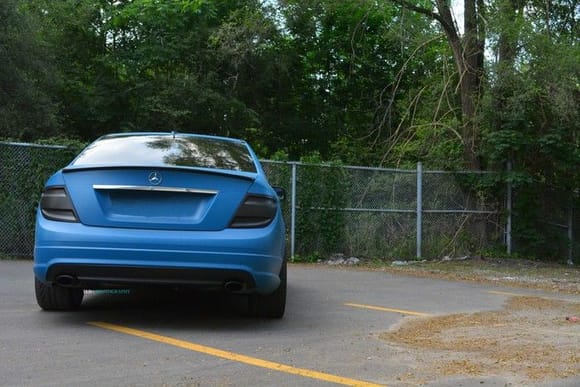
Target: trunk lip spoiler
<point>107,187</point>
<point>233,173</point>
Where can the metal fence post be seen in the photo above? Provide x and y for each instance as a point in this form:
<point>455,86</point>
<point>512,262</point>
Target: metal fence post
<point>571,233</point>
<point>419,208</point>
<point>293,212</point>
<point>508,226</point>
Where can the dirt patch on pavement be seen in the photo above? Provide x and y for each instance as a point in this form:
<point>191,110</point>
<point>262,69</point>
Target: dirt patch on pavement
<point>521,273</point>
<point>529,341</point>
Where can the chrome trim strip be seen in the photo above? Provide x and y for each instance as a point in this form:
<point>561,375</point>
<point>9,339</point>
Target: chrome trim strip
<point>154,188</point>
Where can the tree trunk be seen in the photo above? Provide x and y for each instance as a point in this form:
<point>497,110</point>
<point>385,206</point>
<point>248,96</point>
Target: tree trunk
<point>468,55</point>
<point>506,55</point>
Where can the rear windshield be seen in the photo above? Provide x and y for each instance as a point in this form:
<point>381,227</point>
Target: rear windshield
<point>167,150</point>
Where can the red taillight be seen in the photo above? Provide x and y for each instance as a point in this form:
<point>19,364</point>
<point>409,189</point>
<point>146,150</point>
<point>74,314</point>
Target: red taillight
<point>56,205</point>
<point>256,211</point>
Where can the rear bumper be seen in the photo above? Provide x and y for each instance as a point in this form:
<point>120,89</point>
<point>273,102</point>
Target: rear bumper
<point>89,276</point>
<point>99,257</point>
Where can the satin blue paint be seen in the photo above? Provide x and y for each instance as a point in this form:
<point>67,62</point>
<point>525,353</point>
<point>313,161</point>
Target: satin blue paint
<point>172,229</point>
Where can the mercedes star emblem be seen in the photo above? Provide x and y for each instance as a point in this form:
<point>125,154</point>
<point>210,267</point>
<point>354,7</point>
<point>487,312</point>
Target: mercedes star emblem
<point>155,178</point>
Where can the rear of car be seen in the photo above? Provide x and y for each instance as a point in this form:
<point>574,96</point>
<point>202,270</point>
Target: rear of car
<point>161,209</point>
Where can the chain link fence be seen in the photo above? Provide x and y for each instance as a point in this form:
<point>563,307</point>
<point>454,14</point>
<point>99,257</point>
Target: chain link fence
<point>23,170</point>
<point>372,212</point>
<point>556,208</point>
<point>364,212</point>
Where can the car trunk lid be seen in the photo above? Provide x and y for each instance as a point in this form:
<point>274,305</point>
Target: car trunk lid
<point>158,198</point>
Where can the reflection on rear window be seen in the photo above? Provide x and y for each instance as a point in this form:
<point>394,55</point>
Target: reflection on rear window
<point>159,150</point>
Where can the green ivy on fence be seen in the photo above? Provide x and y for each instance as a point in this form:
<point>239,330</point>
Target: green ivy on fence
<point>23,172</point>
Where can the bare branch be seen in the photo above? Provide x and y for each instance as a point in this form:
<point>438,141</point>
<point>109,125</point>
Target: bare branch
<point>445,20</point>
<point>397,82</point>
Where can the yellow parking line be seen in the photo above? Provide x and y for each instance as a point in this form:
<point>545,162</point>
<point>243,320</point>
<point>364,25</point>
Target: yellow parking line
<point>382,309</point>
<point>233,356</point>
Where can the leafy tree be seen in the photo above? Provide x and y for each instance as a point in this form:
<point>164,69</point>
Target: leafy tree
<point>468,55</point>
<point>27,108</point>
<point>142,65</point>
<point>365,81</point>
<point>349,89</point>
<point>533,114</point>
<point>90,94</point>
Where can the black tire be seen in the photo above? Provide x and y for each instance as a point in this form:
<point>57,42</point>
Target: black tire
<point>271,305</point>
<point>57,298</point>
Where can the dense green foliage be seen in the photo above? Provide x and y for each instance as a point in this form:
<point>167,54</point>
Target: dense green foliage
<point>368,82</point>
<point>28,75</point>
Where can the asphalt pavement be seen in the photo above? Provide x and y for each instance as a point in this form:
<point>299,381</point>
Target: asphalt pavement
<point>329,335</point>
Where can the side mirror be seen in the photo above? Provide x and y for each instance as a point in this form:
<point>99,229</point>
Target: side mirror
<point>281,192</point>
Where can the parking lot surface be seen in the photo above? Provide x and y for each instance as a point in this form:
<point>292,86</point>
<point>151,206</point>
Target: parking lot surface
<point>338,329</point>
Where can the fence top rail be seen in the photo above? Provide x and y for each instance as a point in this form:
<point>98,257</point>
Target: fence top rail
<point>439,172</point>
<point>340,166</point>
<point>30,145</point>
<point>378,169</point>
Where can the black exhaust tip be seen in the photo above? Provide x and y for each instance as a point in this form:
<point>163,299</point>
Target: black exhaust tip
<point>233,286</point>
<point>66,280</point>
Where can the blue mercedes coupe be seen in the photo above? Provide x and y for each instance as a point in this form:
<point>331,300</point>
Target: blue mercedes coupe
<point>168,209</point>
